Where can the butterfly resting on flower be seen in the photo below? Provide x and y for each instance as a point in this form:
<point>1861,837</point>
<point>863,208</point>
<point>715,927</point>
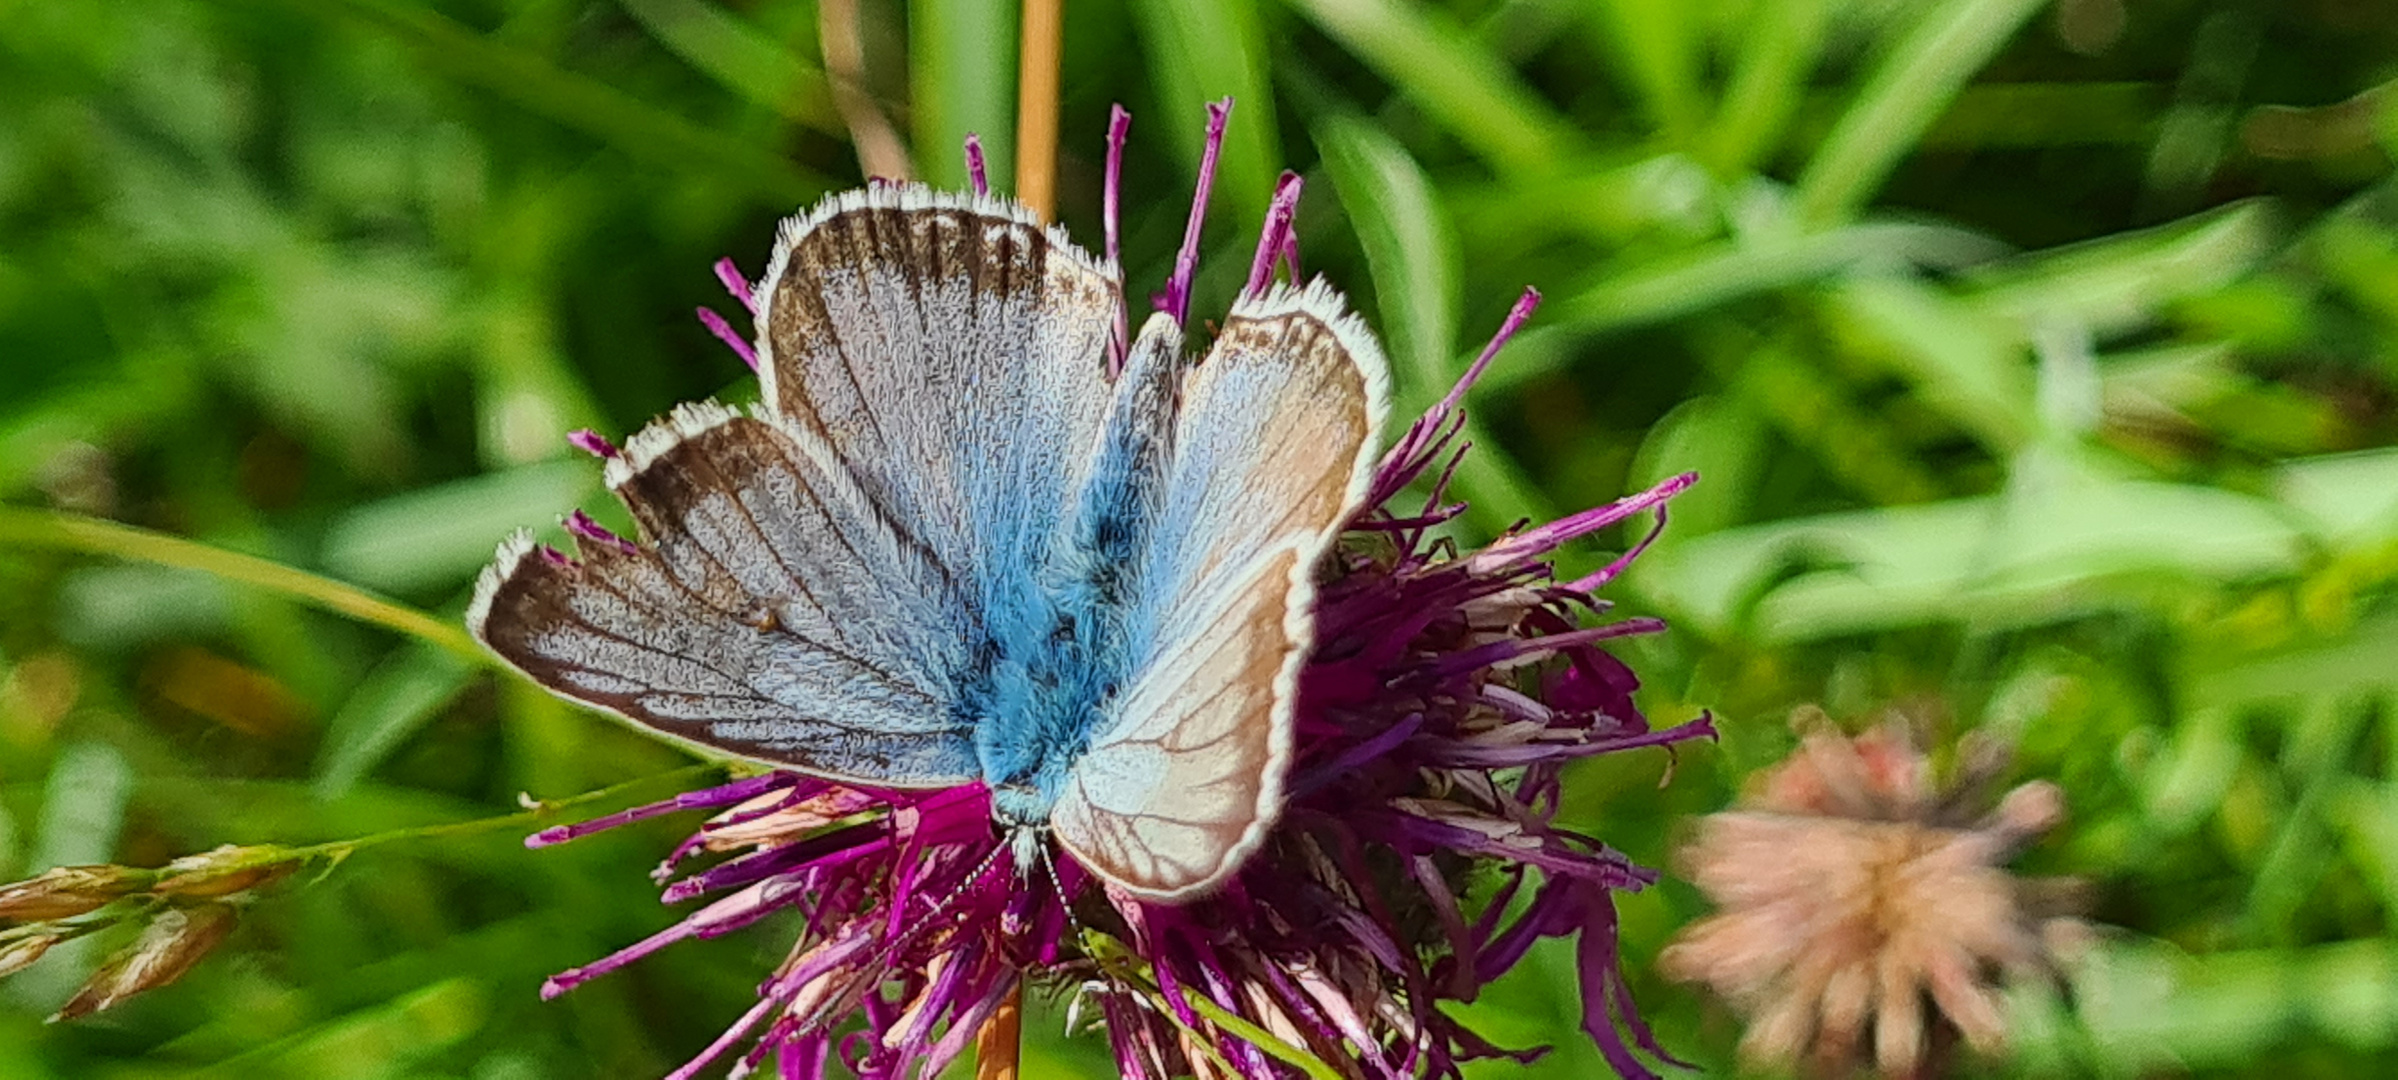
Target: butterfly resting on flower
<point>972,534</point>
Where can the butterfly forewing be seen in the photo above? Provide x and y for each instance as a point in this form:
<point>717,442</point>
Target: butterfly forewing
<point>952,355</point>
<point>737,626</point>
<point>1272,449</point>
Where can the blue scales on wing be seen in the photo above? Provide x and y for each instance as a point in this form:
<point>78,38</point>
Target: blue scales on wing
<point>814,581</point>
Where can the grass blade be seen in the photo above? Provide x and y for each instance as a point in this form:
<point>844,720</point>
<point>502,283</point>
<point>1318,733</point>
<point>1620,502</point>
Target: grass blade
<point>1717,273</point>
<point>1409,251</point>
<point>1656,48</point>
<point>962,81</point>
<point>1910,88</point>
<point>2122,281</point>
<point>1439,66</point>
<point>395,700</point>
<point>617,118</point>
<point>1202,51</point>
<point>735,54</point>
<point>1767,84</point>
<point>74,532</point>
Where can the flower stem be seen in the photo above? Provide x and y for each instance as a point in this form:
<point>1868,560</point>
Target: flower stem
<point>75,532</point>
<point>999,1045</point>
<point>1036,105</point>
<point>540,810</point>
<point>1110,953</point>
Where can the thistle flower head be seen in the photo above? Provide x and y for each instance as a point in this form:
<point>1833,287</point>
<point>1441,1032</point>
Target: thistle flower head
<point>1445,693</point>
<point>1855,887</point>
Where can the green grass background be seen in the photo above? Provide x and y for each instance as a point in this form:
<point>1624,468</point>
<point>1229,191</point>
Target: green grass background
<point>2041,361</point>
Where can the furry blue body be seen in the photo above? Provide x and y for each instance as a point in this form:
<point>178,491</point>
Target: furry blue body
<point>1065,634</point>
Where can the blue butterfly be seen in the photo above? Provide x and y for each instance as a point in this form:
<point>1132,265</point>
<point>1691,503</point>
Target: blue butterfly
<point>948,546</point>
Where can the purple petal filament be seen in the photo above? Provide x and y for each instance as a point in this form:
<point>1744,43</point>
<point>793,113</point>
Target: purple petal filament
<point>728,273</point>
<point>977,171</point>
<point>1177,298</point>
<point>586,530</point>
<point>724,333</point>
<point>1276,238</point>
<point>592,442</point>
<point>1119,127</point>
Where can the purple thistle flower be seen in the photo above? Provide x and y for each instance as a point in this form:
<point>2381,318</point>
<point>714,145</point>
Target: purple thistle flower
<point>1445,694</point>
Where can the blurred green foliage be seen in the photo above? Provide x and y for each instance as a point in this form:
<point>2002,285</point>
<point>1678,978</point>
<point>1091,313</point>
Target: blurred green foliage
<point>2041,361</point>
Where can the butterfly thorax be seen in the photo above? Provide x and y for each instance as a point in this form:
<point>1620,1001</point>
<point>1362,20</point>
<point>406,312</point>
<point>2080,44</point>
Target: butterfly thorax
<point>1053,679</point>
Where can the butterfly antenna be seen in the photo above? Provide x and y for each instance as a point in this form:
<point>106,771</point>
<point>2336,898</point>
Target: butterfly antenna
<point>906,936</point>
<point>1057,884</point>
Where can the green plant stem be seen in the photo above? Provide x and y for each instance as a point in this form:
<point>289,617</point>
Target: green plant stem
<point>141,883</point>
<point>274,855</point>
<point>1113,955</point>
<point>541,810</point>
<point>75,532</point>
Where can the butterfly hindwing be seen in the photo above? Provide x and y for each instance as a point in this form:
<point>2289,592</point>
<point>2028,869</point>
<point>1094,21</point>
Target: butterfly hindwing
<point>1272,447</point>
<point>737,626</point>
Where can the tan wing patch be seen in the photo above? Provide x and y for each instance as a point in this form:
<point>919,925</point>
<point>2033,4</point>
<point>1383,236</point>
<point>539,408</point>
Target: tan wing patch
<point>1273,448</point>
<point>1166,806</point>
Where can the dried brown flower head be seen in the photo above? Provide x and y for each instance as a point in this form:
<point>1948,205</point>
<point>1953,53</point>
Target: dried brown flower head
<point>1858,895</point>
<point>184,909</point>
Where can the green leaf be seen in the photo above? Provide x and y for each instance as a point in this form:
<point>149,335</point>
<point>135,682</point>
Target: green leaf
<point>2356,663</point>
<point>442,534</point>
<point>746,61</point>
<point>1413,261</point>
<point>1442,68</point>
<point>2348,499</point>
<point>2031,557</point>
<point>1661,199</point>
<point>379,1040</point>
<point>1656,51</point>
<point>1819,412</point>
<point>1200,52</point>
<point>1957,360</point>
<point>2006,115</point>
<point>2121,282</point>
<point>622,120</point>
<point>962,81</point>
<point>2150,1008</point>
<point>1719,438</point>
<point>1910,87</point>
<point>1409,251</point>
<point>1769,80</point>
<point>1719,273</point>
<point>83,806</point>
<point>391,704</point>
